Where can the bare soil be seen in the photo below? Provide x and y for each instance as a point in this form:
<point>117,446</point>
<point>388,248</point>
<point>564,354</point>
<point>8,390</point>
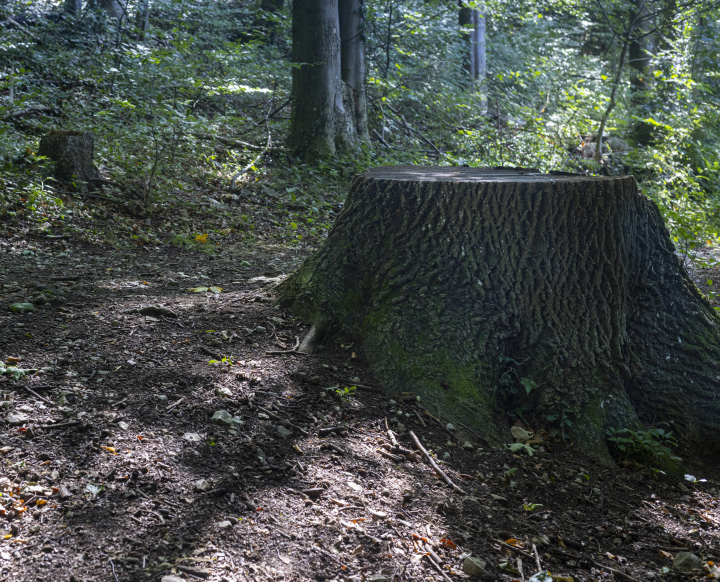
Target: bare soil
<point>113,469</point>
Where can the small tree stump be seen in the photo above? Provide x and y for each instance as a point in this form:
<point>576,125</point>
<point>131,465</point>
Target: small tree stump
<point>557,299</point>
<point>72,152</point>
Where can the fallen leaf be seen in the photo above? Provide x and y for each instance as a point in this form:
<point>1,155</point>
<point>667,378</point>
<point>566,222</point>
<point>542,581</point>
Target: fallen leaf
<point>201,238</point>
<point>197,290</point>
<point>449,543</point>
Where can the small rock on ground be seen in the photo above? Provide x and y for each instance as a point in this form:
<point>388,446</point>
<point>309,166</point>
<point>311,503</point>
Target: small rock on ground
<point>475,567</point>
<point>224,418</point>
<point>686,561</point>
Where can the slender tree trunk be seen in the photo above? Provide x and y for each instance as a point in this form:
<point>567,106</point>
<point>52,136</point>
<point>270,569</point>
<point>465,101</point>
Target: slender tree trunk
<point>473,23</point>
<point>613,94</point>
<point>352,41</point>
<point>315,74</point>
<point>640,54</point>
<point>466,33</point>
<point>444,277</point>
<point>112,8</point>
<point>142,18</point>
<point>478,47</point>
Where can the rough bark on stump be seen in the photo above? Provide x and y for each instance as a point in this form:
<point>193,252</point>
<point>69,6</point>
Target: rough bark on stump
<point>72,152</point>
<point>439,273</point>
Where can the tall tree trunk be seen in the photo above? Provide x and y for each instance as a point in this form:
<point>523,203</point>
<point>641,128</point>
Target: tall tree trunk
<point>465,20</point>
<point>352,40</point>
<point>640,55</point>
<point>142,18</point>
<point>472,22</point>
<point>316,62</point>
<point>323,112</point>
<point>446,276</point>
<point>478,47</point>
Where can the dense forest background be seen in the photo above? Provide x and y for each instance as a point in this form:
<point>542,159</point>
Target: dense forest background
<point>182,95</point>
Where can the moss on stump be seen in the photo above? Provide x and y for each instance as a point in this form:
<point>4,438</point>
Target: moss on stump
<point>466,286</point>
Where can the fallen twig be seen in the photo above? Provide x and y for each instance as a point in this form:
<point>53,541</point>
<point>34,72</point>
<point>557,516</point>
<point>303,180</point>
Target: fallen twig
<point>395,458</point>
<point>60,425</point>
<point>29,111</point>
<point>276,417</point>
<point>285,353</point>
<point>515,549</point>
<point>174,404</point>
<point>434,465</point>
<point>228,141</point>
<point>36,395</point>
<point>22,28</point>
<point>437,568</point>
<point>538,563</point>
<point>407,126</point>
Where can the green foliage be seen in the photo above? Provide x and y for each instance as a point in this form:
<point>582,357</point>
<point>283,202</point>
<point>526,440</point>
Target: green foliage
<point>562,421</point>
<point>204,68</point>
<point>649,448</point>
<point>346,393</point>
<point>514,388</point>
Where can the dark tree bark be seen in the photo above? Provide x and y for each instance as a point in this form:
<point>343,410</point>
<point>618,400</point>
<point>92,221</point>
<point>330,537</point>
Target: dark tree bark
<point>72,152</point>
<point>322,121</point>
<point>640,54</point>
<point>316,56</point>
<point>352,61</point>
<point>142,18</point>
<point>443,274</point>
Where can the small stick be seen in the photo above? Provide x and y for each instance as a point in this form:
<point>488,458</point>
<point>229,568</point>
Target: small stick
<point>36,395</point>
<point>437,568</point>
<point>174,404</point>
<point>390,456</point>
<point>391,436</point>
<point>420,418</point>
<point>113,571</point>
<point>617,572</point>
<point>514,549</point>
<point>276,417</point>
<point>61,425</point>
<point>434,465</point>
<point>537,558</point>
<point>520,568</point>
<point>156,514</point>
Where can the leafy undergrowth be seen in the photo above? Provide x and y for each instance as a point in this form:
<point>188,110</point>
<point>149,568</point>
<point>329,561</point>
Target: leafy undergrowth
<point>117,459</point>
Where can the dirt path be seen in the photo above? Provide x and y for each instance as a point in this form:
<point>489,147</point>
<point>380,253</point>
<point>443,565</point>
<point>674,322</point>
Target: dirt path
<point>118,464</point>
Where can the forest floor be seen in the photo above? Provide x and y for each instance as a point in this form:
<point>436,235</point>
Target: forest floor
<point>127,455</point>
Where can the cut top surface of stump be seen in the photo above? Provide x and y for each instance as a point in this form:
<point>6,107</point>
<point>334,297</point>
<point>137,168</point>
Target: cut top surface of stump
<point>462,174</point>
<point>490,289</point>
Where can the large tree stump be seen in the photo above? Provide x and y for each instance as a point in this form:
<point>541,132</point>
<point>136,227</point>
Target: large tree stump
<point>445,275</point>
<point>72,152</point>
